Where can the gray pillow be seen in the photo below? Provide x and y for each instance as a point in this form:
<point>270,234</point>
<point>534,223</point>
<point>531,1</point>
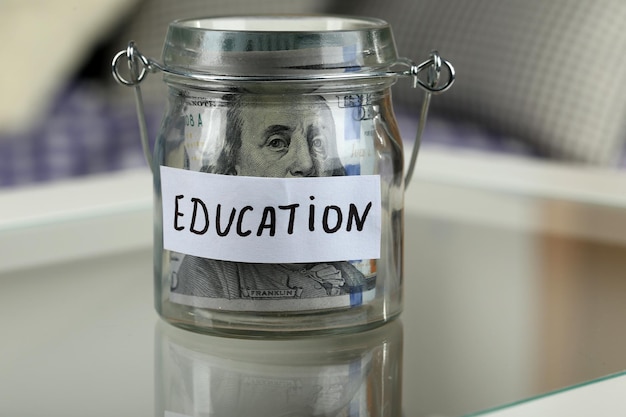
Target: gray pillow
<point>550,72</point>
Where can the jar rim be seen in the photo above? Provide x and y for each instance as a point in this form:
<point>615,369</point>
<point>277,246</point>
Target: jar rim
<point>282,23</point>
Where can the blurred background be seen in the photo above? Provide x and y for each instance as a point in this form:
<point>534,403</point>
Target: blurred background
<point>536,79</point>
<point>519,283</point>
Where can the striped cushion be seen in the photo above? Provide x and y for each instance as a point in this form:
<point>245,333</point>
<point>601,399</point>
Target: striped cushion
<point>552,73</point>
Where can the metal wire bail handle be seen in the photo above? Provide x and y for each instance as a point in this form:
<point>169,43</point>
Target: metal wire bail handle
<point>139,66</point>
<point>430,87</point>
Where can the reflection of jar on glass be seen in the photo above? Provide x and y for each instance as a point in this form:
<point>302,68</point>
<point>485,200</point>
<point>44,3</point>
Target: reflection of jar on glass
<point>200,375</point>
<point>278,174</point>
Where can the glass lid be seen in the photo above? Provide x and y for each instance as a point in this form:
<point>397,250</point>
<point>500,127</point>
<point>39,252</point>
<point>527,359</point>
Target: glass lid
<point>279,45</point>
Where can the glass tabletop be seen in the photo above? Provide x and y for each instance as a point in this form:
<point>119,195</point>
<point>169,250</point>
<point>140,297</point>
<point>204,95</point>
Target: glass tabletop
<point>509,296</point>
<point>598,397</point>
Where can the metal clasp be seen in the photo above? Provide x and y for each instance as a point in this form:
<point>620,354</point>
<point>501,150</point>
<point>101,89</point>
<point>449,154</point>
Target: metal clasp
<point>432,86</point>
<point>139,66</point>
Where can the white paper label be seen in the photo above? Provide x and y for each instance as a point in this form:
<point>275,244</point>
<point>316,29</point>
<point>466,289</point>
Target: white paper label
<point>271,220</point>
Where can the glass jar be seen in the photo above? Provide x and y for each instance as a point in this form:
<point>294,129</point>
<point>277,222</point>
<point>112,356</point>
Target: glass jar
<point>278,175</point>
